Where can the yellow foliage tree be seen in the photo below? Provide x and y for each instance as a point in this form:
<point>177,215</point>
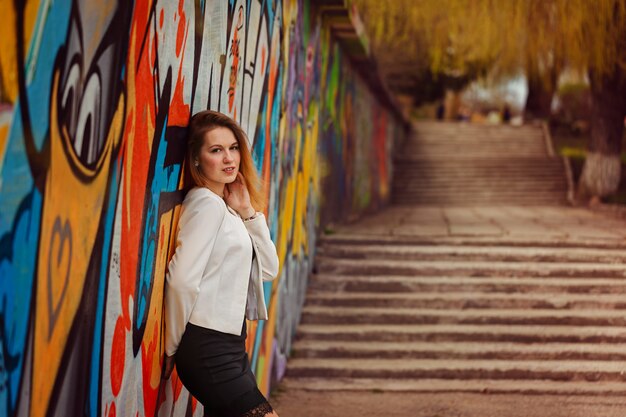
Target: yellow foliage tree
<point>538,37</point>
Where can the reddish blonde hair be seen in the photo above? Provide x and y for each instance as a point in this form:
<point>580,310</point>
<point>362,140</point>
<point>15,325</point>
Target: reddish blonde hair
<point>204,122</point>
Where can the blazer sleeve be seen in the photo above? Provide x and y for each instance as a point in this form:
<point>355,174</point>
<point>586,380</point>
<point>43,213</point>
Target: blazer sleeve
<point>260,233</point>
<point>199,224</point>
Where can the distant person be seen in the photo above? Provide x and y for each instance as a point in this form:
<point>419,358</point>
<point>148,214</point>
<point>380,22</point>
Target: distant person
<point>506,114</point>
<point>441,110</point>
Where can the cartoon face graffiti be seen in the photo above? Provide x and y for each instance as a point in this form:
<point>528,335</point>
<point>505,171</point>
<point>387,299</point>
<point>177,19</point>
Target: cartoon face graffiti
<point>86,118</point>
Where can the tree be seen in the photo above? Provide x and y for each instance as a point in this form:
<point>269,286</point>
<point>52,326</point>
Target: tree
<point>539,37</point>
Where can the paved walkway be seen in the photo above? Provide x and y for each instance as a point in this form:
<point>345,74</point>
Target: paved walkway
<point>544,224</point>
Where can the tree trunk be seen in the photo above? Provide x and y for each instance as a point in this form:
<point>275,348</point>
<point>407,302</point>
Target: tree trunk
<point>540,93</point>
<point>602,169</point>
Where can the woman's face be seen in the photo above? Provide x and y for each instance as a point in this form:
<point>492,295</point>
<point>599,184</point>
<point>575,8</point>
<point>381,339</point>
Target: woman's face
<point>219,158</point>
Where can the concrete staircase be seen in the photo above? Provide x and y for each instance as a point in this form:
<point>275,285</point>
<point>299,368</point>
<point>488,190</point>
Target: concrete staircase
<point>464,164</point>
<point>465,317</point>
<point>478,292</point>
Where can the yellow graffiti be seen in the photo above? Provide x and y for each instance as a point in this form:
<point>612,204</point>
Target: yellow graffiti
<point>69,225</point>
<point>264,374</point>
<point>8,44</point>
<point>153,323</point>
<point>301,187</point>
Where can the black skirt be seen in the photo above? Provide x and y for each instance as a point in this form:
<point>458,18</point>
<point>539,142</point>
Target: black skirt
<point>214,367</point>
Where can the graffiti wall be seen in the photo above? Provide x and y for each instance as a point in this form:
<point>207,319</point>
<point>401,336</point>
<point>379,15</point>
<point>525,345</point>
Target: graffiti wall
<point>96,98</point>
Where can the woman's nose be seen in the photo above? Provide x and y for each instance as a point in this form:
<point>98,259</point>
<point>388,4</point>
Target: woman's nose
<point>228,156</point>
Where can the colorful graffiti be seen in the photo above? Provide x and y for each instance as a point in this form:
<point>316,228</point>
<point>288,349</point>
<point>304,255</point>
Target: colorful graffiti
<point>92,143</point>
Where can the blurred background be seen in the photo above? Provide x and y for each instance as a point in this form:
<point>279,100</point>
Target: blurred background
<point>518,61</point>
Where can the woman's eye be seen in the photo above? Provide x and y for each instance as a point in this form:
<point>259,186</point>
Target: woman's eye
<point>235,148</point>
<point>216,150</point>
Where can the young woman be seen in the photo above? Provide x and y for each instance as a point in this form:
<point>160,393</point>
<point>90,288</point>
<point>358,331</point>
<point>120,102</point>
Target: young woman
<point>215,278</point>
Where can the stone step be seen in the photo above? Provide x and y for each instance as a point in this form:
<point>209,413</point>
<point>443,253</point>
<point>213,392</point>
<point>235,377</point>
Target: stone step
<point>478,139</point>
<point>431,170</point>
<point>485,193</point>
<point>499,253</point>
<point>516,285</point>
<point>502,182</point>
<point>477,171</point>
<point>421,134</point>
<point>468,134</point>
<point>483,198</point>
<point>459,157</point>
<point>471,192</point>
<point>461,200</point>
<point>410,175</point>
<point>470,268</point>
<point>359,237</point>
<point>477,148</point>
<point>455,351</point>
<point>454,126</point>
<point>437,333</point>
<point>483,386</point>
<point>513,317</point>
<point>478,142</point>
<point>475,139</point>
<point>469,188</point>
<point>495,172</point>
<point>455,131</point>
<point>480,184</point>
<point>475,164</point>
<point>556,370</point>
<point>438,202</point>
<point>403,174</point>
<point>440,175</point>
<point>503,178</point>
<point>468,300</point>
<point>453,191</point>
<point>480,146</point>
<point>458,130</point>
<point>417,159</point>
<point>442,152</point>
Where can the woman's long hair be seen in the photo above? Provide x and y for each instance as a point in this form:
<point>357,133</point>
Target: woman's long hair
<point>204,122</point>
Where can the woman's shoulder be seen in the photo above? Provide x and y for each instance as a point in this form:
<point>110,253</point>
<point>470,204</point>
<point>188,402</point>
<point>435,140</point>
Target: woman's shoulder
<point>202,196</point>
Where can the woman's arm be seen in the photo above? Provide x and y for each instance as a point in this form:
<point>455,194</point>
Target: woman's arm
<point>265,249</point>
<point>199,223</point>
<point>237,196</point>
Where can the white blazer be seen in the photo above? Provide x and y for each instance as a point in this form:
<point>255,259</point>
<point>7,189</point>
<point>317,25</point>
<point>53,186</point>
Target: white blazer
<point>211,280</point>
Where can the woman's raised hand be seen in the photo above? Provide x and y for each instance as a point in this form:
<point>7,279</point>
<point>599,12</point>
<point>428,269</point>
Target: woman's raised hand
<point>236,196</point>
